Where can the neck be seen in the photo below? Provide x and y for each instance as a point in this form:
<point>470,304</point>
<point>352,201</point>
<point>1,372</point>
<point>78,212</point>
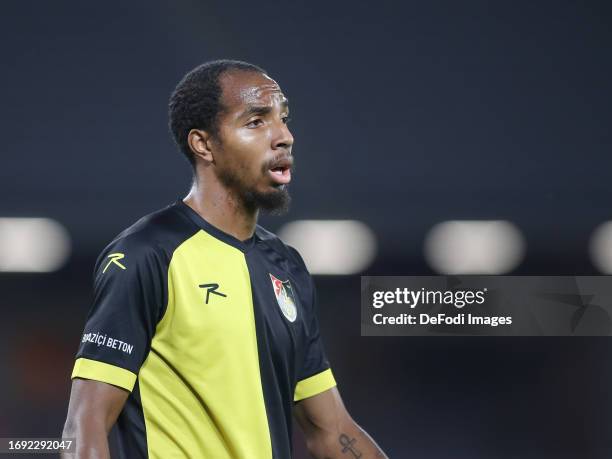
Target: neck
<point>221,208</point>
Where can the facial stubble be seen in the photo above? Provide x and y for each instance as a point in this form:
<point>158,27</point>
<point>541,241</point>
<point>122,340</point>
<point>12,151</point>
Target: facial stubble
<point>275,202</point>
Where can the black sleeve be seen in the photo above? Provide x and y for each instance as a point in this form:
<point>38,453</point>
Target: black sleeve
<point>315,359</point>
<point>129,300</point>
<point>315,375</point>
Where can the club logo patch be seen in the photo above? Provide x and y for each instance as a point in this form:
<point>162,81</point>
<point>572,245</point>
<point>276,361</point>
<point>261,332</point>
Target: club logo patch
<point>284,298</point>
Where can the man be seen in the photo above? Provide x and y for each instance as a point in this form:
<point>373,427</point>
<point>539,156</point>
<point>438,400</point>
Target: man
<point>203,340</point>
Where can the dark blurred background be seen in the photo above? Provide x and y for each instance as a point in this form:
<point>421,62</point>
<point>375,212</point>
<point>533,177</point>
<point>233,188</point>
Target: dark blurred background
<point>405,115</point>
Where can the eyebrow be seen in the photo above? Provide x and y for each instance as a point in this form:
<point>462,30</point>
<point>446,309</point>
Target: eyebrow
<point>262,109</point>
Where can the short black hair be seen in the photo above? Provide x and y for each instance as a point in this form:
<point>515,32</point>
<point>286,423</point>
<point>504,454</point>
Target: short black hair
<point>195,103</point>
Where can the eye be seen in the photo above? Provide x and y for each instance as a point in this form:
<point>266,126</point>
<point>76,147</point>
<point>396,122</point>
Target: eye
<point>254,123</point>
<point>286,119</point>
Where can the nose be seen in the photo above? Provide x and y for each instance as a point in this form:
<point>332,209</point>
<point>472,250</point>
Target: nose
<point>282,137</point>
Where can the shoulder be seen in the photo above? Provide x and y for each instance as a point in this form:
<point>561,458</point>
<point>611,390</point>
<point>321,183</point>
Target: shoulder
<point>153,238</point>
<point>289,253</point>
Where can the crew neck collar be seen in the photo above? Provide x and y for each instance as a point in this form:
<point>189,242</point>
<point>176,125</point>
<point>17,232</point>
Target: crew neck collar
<point>213,230</point>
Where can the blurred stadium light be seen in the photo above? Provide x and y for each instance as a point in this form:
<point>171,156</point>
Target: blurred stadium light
<point>32,245</point>
<point>600,247</point>
<point>331,246</point>
<point>474,247</point>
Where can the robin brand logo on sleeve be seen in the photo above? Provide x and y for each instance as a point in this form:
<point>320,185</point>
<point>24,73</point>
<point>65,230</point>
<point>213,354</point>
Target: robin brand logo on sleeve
<point>284,298</point>
<point>114,259</point>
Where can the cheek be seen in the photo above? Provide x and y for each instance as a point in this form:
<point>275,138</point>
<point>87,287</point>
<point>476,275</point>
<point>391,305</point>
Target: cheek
<point>245,169</point>
<point>244,152</point>
<point>254,140</point>
<point>241,163</point>
<point>250,150</point>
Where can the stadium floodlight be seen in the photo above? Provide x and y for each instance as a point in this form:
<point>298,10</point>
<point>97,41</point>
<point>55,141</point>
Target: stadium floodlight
<point>32,245</point>
<point>474,247</point>
<point>332,247</point>
<point>600,247</point>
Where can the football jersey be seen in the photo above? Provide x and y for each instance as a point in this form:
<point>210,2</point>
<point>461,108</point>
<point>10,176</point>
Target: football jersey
<point>215,338</point>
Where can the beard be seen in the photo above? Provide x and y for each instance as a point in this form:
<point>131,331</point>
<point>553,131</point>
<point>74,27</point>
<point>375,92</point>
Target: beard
<point>275,202</point>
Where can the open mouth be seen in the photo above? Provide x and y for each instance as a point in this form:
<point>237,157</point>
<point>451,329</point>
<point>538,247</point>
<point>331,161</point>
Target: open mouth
<point>280,172</point>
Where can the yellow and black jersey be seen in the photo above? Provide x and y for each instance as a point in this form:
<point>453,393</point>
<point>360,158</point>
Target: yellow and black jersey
<point>214,337</point>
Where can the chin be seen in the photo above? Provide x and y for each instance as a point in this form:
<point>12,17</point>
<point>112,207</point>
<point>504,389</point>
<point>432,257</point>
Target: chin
<point>275,201</point>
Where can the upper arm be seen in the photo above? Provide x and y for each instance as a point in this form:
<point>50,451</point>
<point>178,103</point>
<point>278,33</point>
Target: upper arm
<point>323,413</point>
<point>94,404</point>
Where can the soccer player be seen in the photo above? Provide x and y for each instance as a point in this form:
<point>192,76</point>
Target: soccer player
<point>202,341</point>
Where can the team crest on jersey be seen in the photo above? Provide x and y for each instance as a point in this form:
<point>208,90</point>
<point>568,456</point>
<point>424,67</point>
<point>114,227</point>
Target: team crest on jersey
<point>285,298</point>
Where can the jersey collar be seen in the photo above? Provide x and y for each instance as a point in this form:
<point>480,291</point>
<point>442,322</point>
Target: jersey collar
<point>243,246</point>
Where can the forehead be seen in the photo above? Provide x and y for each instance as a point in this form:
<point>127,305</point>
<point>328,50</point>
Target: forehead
<point>241,89</point>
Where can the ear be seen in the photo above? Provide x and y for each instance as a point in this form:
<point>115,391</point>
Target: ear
<point>201,144</point>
